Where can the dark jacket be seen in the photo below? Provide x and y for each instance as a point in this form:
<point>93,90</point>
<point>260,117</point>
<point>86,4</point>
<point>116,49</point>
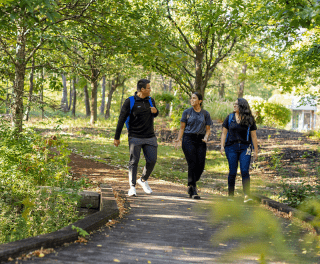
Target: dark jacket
<point>141,118</point>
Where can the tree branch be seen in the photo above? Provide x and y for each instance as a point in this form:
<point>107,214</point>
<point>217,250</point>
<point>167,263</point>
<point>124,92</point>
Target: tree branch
<point>3,44</point>
<point>179,29</point>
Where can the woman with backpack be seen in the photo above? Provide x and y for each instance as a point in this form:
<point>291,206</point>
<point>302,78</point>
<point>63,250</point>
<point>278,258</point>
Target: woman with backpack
<point>237,139</point>
<point>194,132</point>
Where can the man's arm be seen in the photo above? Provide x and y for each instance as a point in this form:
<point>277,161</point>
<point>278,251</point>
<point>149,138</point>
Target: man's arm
<point>124,113</point>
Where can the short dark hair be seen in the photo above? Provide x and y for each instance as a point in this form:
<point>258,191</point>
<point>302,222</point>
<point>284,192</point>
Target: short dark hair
<point>142,84</point>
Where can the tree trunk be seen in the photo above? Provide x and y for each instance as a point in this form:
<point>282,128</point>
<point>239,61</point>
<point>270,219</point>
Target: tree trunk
<point>64,100</point>
<point>74,95</point>
<point>312,120</point>
<point>108,106</point>
<point>222,90</point>
<point>168,104</point>
<point>41,94</point>
<point>70,93</point>
<point>199,87</point>
<point>241,88</point>
<point>122,94</point>
<point>103,101</point>
<point>30,91</point>
<point>8,100</point>
<point>113,86</point>
<point>163,83</point>
<point>86,100</point>
<point>93,102</point>
<point>18,88</point>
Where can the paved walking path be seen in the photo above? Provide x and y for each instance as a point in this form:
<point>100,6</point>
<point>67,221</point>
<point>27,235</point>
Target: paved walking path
<point>164,227</point>
<point>160,228</point>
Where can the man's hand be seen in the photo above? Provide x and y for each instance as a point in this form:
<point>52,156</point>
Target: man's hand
<point>116,142</point>
<point>153,110</point>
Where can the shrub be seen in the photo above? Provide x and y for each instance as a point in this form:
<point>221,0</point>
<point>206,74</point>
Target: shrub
<point>256,105</point>
<point>179,104</point>
<point>275,115</point>
<point>218,108</point>
<point>28,162</point>
<point>295,195</point>
<point>162,100</point>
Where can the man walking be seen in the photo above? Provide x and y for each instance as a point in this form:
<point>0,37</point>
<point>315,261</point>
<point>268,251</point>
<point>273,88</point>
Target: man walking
<point>138,113</point>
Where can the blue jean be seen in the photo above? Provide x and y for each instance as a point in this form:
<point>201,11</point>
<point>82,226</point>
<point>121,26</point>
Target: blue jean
<point>194,150</point>
<point>238,153</point>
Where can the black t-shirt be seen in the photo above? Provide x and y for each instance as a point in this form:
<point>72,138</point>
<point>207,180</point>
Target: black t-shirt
<point>237,132</point>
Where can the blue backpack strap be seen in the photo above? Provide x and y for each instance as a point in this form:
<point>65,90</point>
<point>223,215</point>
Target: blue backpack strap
<point>229,122</point>
<point>150,102</point>
<point>132,101</point>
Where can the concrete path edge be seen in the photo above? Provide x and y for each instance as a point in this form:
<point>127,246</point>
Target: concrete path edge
<point>314,221</point>
<point>108,211</point>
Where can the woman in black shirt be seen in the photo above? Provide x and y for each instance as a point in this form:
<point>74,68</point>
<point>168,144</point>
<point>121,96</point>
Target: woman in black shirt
<point>194,132</point>
<point>238,136</point>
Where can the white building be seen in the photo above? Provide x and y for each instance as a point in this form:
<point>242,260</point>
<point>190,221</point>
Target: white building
<point>304,114</point>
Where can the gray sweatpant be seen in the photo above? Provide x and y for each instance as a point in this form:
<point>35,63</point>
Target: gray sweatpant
<point>149,147</point>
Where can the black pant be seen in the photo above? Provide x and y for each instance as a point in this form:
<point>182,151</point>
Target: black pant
<point>149,147</point>
<point>195,152</point>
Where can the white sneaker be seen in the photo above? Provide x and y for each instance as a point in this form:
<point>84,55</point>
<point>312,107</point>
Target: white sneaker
<point>132,191</point>
<point>247,199</point>
<point>145,186</point>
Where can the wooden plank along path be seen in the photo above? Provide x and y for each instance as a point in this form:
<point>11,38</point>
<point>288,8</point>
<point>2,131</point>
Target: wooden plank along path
<point>160,228</point>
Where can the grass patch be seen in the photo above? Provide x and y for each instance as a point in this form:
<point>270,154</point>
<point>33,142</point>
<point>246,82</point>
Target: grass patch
<point>171,164</point>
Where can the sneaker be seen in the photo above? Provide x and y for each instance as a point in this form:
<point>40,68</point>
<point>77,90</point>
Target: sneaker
<point>145,186</point>
<point>132,191</point>
<point>195,193</point>
<point>247,199</point>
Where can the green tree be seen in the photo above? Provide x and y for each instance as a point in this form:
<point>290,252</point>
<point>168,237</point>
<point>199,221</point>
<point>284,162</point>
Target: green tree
<point>186,40</point>
<point>25,27</point>
<point>287,53</point>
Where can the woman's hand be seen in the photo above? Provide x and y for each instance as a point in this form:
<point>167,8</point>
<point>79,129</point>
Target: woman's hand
<point>205,139</point>
<point>176,143</point>
<point>222,150</point>
<point>255,156</point>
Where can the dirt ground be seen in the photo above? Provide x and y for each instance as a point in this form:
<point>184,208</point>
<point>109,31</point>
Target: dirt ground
<point>284,157</point>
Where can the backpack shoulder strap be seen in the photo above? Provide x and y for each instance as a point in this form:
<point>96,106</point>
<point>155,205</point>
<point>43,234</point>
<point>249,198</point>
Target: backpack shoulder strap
<point>132,101</point>
<point>150,102</point>
<point>230,118</point>
<point>229,122</point>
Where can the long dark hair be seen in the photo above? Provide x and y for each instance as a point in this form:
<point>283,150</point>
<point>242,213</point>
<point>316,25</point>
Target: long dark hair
<point>245,113</point>
<point>199,95</point>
